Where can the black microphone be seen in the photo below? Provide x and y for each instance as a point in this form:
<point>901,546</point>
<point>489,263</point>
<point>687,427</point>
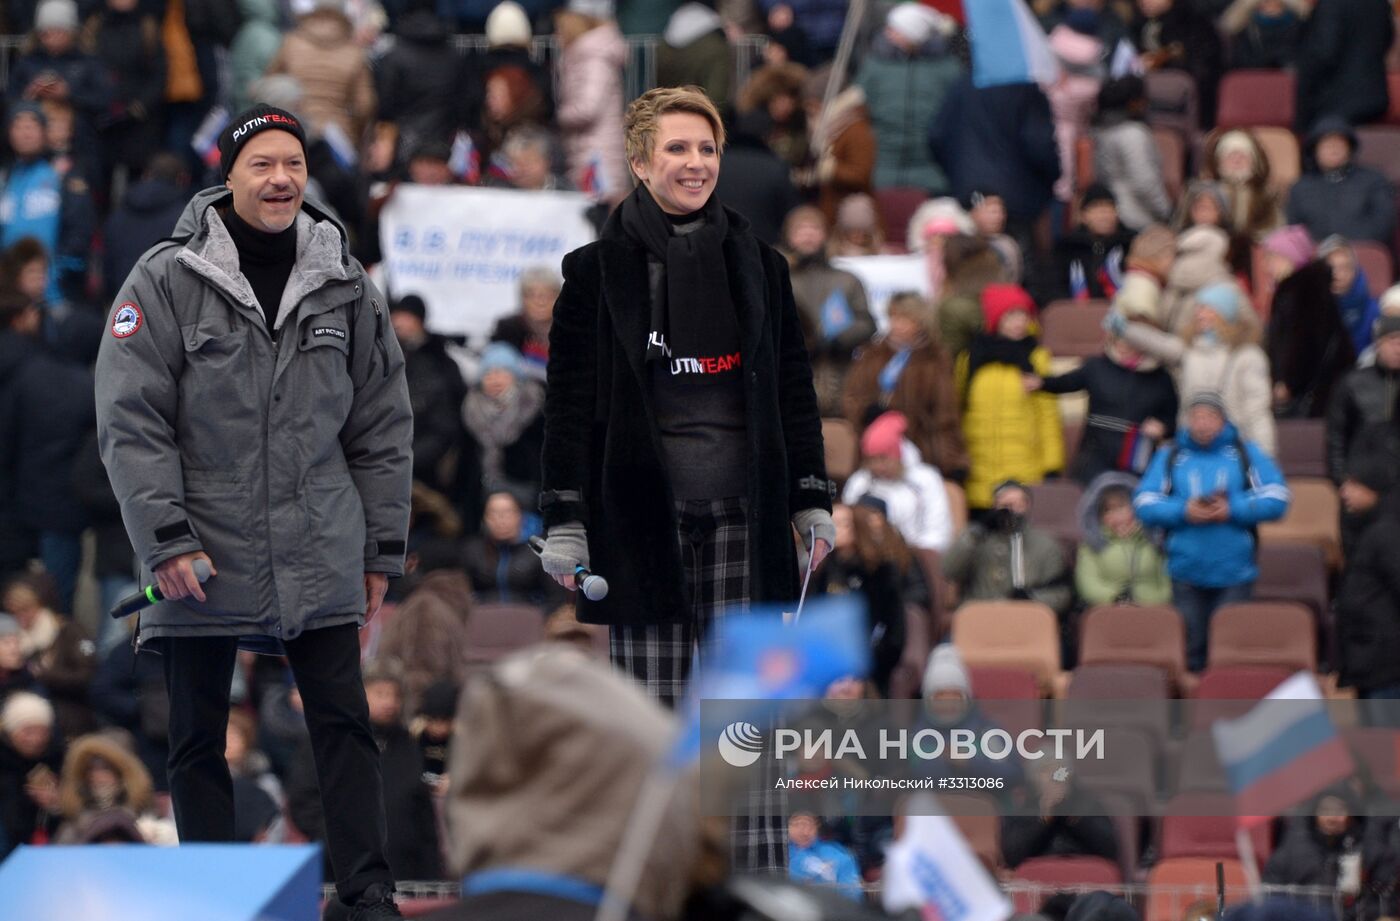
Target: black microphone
<point>594,588</point>
<point>151,594</point>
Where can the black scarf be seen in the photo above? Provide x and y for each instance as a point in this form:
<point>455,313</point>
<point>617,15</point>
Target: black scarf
<point>992,349</point>
<point>695,319</point>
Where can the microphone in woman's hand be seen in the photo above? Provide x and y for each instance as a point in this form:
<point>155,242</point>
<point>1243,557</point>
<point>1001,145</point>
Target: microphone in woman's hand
<point>594,588</point>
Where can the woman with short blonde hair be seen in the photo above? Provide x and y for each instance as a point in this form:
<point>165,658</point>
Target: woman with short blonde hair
<point>682,440</point>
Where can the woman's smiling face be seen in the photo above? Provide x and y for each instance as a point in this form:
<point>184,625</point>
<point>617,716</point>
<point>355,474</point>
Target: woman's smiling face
<point>684,163</point>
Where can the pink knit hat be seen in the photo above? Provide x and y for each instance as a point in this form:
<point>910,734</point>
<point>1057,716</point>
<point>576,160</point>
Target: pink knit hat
<point>884,436</point>
<point>1292,243</point>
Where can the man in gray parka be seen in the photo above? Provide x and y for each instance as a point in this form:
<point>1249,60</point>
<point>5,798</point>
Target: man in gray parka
<point>253,413</point>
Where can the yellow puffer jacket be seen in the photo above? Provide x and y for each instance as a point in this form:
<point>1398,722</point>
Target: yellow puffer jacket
<point>1010,434</point>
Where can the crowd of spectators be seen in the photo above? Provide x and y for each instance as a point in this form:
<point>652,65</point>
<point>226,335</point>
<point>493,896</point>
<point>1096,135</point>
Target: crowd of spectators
<point>1234,304</point>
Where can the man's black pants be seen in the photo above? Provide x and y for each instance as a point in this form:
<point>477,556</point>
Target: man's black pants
<point>326,666</point>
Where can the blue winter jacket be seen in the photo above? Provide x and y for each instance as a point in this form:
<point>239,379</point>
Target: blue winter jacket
<point>1221,553</point>
<point>825,863</point>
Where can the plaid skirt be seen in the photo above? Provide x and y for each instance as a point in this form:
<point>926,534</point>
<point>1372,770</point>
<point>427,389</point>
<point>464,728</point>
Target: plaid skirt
<point>714,543</point>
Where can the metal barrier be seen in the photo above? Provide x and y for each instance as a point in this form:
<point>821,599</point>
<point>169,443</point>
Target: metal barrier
<point>1159,901</point>
<point>639,75</point>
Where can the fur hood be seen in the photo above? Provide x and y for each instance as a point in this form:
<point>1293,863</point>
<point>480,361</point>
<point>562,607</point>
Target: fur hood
<point>73,796</point>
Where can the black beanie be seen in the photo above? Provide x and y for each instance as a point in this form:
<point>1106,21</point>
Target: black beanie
<point>251,121</point>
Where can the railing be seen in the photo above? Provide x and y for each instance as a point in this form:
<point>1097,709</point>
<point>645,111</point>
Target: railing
<point>640,74</point>
<point>1163,900</point>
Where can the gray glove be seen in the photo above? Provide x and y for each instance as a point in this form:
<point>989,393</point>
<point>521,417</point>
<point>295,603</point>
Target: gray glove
<point>565,549</point>
<point>818,518</point>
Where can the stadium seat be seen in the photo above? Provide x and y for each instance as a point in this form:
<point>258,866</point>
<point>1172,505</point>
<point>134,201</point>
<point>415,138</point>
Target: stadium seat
<point>1010,634</point>
<point>1198,766</point>
<point>1231,690</point>
<point>979,820</point>
<point>1009,697</point>
<point>1203,825</point>
<point>1172,150</point>
<point>1055,510</point>
<point>1119,695</point>
<point>842,449</point>
<point>897,205</point>
<point>1128,767</point>
<point>1377,263</point>
<point>1174,885</point>
<point>1302,447</point>
<point>1251,98</point>
<point>1293,572</point>
<point>1378,146</point>
<point>906,680</point>
<point>495,630</point>
<point>1313,517</point>
<point>1073,329</point>
<point>1173,102</point>
<point>1136,635</point>
<point>1059,874</point>
<point>1285,160</point>
<point>1272,633</point>
<point>1392,114</point>
<point>1378,748</point>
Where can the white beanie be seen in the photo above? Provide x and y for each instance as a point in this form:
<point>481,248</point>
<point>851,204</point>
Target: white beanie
<point>917,23</point>
<point>946,672</point>
<point>508,25</point>
<point>1390,300</point>
<point>597,9</point>
<point>25,709</point>
<point>56,14</point>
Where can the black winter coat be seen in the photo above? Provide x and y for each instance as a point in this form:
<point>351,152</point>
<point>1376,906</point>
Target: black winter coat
<point>422,82</point>
<point>510,574</point>
<point>1000,137</point>
<point>1341,61</point>
<point>1201,53</point>
<point>1309,348</point>
<point>147,215</point>
<point>1368,607</point>
<point>602,457</point>
<point>20,818</point>
<point>884,599</point>
<point>758,185</point>
<point>1091,257</point>
<point>129,47</point>
<point>1362,398</point>
<point>88,88</point>
<point>436,391</point>
<point>48,412</point>
<point>16,541</point>
<point>1078,828</point>
<point>1118,398</point>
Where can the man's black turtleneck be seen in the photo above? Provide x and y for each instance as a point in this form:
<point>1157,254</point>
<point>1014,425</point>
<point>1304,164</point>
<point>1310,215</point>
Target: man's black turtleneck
<point>266,260</point>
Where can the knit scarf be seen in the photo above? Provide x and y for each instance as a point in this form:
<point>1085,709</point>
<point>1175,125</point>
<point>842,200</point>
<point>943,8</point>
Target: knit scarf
<point>995,349</point>
<point>695,321</point>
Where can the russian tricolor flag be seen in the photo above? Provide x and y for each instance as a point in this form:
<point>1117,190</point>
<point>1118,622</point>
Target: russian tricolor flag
<point>1008,44</point>
<point>1282,752</point>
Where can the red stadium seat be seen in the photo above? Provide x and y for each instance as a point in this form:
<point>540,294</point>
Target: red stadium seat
<point>1302,447</point>
<point>1173,102</point>
<point>1174,885</point>
<point>1378,146</point>
<point>1274,633</point>
<point>1203,825</point>
<point>1256,97</point>
<point>1073,329</point>
<point>1136,635</point>
<point>1009,697</point>
<point>1377,263</point>
<point>496,630</point>
<point>1198,767</point>
<point>1293,572</point>
<point>1230,691</point>
<point>897,205</point>
<point>1081,874</point>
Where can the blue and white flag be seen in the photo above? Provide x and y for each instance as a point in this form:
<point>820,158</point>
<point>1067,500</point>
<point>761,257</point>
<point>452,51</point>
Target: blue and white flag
<point>1008,44</point>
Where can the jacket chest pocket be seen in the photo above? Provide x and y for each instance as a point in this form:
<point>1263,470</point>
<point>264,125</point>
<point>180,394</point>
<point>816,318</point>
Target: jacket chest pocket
<point>218,371</point>
<point>322,363</point>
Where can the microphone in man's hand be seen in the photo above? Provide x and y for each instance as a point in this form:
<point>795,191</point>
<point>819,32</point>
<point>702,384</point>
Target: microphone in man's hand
<point>151,594</point>
<point>594,588</point>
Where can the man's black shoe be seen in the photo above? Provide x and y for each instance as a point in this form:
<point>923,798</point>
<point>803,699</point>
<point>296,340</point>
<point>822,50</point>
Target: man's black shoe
<point>375,903</point>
